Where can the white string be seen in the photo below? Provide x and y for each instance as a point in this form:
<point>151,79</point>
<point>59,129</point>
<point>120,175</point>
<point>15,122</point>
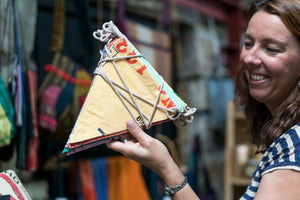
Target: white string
<point>147,124</point>
<point>180,117</point>
<point>108,33</point>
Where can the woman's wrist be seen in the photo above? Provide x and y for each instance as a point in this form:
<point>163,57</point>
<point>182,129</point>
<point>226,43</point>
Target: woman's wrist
<point>172,174</point>
<point>170,191</point>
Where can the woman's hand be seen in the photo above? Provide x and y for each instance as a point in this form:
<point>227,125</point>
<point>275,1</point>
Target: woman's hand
<point>144,149</point>
<point>153,154</point>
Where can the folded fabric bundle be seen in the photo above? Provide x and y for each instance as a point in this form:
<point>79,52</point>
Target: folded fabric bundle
<point>10,185</point>
<point>124,86</point>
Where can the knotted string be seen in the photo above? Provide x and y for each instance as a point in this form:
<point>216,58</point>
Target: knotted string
<point>106,35</point>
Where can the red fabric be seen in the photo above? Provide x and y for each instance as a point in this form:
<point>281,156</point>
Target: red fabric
<point>87,181</point>
<point>32,149</point>
<point>32,155</point>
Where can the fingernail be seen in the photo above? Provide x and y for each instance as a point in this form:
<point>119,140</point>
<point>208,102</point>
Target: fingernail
<point>130,123</point>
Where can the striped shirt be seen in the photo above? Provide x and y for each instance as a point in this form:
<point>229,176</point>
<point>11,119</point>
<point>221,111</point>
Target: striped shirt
<point>283,153</point>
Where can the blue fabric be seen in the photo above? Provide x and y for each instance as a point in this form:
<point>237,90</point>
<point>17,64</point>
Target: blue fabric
<point>66,94</point>
<point>101,179</point>
<point>284,152</point>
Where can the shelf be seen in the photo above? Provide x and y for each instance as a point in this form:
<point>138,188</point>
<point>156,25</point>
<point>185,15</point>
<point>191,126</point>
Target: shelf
<point>240,181</point>
<point>236,134</point>
<point>239,115</point>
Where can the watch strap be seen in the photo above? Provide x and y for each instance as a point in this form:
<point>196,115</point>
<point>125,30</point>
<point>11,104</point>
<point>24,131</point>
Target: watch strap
<point>170,191</point>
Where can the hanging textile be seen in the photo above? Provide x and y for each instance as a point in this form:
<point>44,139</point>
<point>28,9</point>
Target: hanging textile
<point>25,82</point>
<point>8,54</point>
<point>60,96</point>
<point>32,148</point>
<point>20,104</point>
<point>31,93</point>
<point>8,58</point>
<point>50,91</point>
<point>101,179</point>
<point>125,180</point>
<point>58,26</point>
<point>87,180</point>
<point>6,116</point>
<point>67,92</point>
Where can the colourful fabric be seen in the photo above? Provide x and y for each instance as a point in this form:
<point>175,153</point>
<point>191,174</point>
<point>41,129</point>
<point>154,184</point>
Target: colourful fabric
<point>84,80</point>
<point>31,120</point>
<point>22,137</point>
<point>7,130</point>
<point>125,180</point>
<point>100,173</point>
<point>283,153</point>
<point>58,26</point>
<point>32,81</point>
<point>87,180</point>
<point>74,80</point>
<point>66,94</point>
<point>19,96</point>
<point>32,155</point>
<point>47,115</point>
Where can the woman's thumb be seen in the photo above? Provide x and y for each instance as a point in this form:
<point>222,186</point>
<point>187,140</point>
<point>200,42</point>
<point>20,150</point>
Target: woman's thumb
<point>136,130</point>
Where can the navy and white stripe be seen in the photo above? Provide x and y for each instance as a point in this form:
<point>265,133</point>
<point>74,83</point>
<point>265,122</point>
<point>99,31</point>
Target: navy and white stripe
<point>283,153</point>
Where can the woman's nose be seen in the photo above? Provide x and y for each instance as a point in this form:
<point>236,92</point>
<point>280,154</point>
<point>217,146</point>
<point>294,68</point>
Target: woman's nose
<point>252,56</point>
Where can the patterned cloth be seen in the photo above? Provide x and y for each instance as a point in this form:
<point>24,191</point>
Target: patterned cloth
<point>284,153</point>
<point>11,186</point>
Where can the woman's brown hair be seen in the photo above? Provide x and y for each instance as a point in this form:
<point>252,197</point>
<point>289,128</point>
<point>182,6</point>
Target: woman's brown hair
<point>264,128</point>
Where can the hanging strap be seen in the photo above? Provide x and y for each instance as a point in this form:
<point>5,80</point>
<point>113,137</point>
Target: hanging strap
<point>58,26</point>
<point>20,93</point>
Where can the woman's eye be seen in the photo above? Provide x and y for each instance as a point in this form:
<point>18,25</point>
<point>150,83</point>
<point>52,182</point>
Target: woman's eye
<point>272,50</point>
<point>248,44</point>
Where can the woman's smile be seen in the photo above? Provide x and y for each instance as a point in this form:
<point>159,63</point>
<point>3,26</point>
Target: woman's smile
<point>257,77</point>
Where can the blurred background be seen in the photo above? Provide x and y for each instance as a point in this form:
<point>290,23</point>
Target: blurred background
<point>193,44</point>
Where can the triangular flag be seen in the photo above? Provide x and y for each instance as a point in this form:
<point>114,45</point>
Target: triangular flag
<point>124,86</point>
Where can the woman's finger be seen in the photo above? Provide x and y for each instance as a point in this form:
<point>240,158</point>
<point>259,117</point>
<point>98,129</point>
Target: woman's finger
<point>115,145</point>
<point>137,132</point>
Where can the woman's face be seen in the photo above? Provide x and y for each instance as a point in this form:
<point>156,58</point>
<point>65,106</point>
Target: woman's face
<point>271,59</point>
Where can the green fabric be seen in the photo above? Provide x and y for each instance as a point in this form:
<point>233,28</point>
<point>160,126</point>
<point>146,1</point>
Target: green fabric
<point>7,130</point>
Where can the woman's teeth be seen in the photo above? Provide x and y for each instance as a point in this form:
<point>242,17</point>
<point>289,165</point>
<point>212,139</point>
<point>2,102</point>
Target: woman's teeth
<point>256,77</point>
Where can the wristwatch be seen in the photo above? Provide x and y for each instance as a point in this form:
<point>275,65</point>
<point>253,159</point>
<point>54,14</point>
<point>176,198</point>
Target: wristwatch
<point>170,191</point>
